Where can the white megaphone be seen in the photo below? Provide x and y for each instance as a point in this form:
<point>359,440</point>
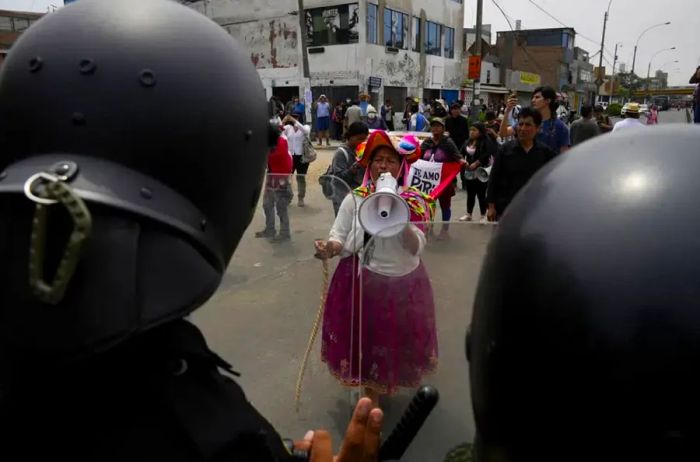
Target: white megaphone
<point>482,174</point>
<point>384,213</point>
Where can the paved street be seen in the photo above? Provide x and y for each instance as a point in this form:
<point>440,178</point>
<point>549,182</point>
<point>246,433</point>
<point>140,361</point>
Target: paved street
<point>672,116</point>
<point>262,315</point>
<point>261,318</point>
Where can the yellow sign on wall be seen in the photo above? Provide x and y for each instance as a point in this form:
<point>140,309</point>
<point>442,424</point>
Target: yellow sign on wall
<point>529,78</point>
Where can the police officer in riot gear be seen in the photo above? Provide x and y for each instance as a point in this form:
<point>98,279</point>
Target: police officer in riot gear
<point>133,141</point>
<point>585,337</point>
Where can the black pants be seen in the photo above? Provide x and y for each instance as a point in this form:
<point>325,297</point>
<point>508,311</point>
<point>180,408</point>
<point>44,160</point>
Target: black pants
<point>338,131</point>
<point>476,189</point>
<point>300,168</point>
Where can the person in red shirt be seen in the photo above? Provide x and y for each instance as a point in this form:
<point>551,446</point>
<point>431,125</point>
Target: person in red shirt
<point>278,193</point>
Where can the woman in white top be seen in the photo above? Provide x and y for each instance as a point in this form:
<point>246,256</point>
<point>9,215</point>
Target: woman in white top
<point>382,312</point>
<point>296,133</point>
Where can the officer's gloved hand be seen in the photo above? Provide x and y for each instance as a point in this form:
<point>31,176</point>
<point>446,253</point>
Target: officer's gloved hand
<point>361,443</point>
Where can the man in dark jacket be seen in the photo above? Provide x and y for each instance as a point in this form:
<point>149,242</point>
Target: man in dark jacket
<point>457,126</point>
<point>458,129</point>
<point>695,79</point>
<point>515,163</point>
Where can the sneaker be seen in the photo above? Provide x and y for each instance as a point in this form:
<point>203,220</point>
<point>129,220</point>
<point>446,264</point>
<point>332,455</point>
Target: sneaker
<point>466,217</point>
<point>483,220</point>
<point>265,233</point>
<point>301,202</point>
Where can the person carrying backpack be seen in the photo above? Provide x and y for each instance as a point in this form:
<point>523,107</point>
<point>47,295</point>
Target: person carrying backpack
<point>344,167</point>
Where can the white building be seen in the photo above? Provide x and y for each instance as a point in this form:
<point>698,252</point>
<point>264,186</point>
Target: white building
<point>412,46</point>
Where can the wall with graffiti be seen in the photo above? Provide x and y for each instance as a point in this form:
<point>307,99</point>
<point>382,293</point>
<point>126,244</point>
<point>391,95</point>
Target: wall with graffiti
<point>271,44</point>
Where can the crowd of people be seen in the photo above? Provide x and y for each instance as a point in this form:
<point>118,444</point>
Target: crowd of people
<point>503,134</point>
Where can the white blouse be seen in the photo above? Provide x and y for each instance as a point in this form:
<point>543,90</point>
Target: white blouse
<point>295,136</point>
<point>389,257</point>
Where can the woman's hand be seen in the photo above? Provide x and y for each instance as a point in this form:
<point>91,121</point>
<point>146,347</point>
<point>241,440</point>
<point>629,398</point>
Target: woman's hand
<point>361,443</point>
<point>327,249</point>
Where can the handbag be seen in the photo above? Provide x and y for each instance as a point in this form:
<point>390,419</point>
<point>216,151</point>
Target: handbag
<point>309,155</point>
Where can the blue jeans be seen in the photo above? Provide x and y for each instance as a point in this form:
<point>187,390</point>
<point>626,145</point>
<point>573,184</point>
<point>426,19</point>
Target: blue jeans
<point>696,118</point>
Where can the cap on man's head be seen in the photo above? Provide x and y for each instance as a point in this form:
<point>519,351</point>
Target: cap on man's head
<point>437,121</point>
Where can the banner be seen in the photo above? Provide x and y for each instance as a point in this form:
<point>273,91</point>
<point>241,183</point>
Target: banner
<point>432,177</point>
<point>529,78</point>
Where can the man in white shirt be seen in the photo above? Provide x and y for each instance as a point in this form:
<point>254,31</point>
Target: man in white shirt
<point>631,119</point>
<point>295,134</point>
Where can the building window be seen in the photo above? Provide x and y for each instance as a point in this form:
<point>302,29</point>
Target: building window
<point>5,23</point>
<point>332,25</point>
<point>433,38</point>
<point>395,29</point>
<point>416,34</point>
<point>21,24</point>
<point>449,42</point>
<point>372,23</point>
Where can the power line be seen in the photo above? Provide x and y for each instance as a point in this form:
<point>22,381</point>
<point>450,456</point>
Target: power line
<point>561,23</point>
<point>547,13</point>
<point>514,33</point>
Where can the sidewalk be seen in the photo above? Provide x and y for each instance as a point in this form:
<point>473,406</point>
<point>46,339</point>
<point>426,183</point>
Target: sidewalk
<point>334,145</point>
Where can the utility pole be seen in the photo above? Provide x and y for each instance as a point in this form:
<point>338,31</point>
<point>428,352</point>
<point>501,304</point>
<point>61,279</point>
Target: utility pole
<point>304,38</point>
<point>477,82</point>
<point>601,78</point>
<point>304,60</point>
<point>612,91</point>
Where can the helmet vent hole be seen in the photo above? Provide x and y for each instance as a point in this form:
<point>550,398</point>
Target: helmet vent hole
<point>35,64</point>
<point>147,78</point>
<point>87,66</point>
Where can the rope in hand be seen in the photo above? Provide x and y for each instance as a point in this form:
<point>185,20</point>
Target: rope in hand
<point>314,332</point>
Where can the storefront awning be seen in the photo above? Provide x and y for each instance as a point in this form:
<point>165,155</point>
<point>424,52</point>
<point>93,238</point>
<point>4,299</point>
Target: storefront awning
<point>494,89</point>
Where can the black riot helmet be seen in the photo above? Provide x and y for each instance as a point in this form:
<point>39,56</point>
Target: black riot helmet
<point>152,118</point>
<point>585,337</point>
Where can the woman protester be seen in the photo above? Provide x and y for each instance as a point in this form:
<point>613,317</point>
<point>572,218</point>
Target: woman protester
<point>379,332</point>
<point>441,148</point>
<point>477,151</point>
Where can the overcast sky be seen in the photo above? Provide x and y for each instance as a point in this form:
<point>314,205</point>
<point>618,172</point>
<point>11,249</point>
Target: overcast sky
<point>628,19</point>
